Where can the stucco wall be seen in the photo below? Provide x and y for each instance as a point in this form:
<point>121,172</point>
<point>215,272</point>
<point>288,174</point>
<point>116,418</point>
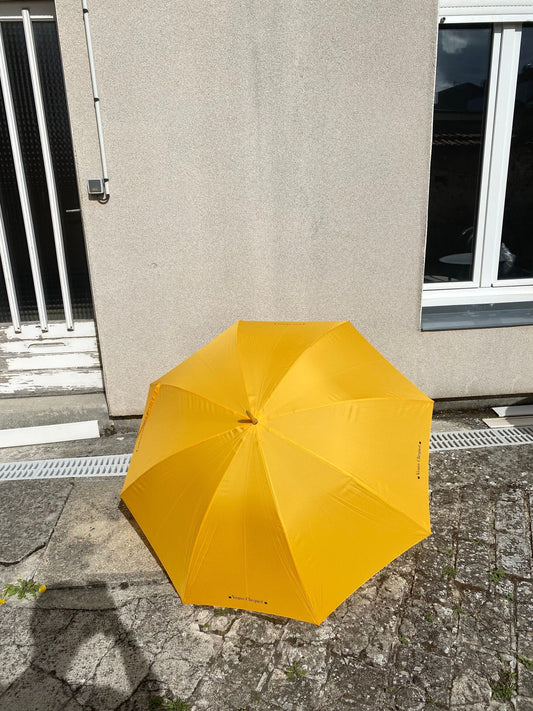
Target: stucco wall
<point>267,160</point>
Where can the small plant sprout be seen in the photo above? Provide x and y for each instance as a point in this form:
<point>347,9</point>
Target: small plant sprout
<point>22,589</point>
<point>430,617</point>
<point>457,609</point>
<point>449,572</point>
<point>448,552</point>
<point>403,639</point>
<point>497,574</point>
<point>177,705</point>
<point>295,671</point>
<point>528,663</point>
<point>505,687</point>
<point>158,703</point>
<point>510,597</point>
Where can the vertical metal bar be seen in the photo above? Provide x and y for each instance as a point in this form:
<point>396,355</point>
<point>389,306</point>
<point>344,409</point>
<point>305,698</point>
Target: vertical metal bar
<point>48,169</point>
<point>23,188</point>
<point>8,276</point>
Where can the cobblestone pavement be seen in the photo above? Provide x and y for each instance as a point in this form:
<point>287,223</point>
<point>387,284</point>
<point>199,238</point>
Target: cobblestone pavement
<point>448,625</point>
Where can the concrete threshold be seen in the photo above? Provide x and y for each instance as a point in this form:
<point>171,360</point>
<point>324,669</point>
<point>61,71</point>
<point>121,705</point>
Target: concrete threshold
<point>53,410</point>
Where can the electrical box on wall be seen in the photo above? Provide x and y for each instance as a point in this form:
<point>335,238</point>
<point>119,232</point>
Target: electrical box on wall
<point>95,186</point>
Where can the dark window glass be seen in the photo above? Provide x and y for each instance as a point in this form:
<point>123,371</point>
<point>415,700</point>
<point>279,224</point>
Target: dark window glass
<point>54,99</point>
<point>463,62</point>
<point>516,250</point>
<point>55,105</point>
<point>14,225</point>
<point>30,145</point>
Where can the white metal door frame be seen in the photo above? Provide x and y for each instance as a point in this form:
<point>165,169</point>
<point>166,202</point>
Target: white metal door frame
<point>31,12</point>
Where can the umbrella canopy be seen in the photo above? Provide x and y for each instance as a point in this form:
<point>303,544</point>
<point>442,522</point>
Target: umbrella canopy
<point>280,467</point>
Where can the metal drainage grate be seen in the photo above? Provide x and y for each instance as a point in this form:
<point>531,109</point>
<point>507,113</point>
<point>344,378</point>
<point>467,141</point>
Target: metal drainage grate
<point>117,464</point>
<point>472,439</point>
<point>110,465</point>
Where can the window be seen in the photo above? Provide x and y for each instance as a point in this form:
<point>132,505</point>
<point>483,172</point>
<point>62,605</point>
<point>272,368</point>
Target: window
<point>479,253</point>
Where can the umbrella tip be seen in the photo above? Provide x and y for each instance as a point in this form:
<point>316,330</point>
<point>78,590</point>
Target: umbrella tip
<point>253,419</point>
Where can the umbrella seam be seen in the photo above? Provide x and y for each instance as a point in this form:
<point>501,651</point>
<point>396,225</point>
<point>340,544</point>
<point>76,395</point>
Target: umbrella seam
<point>322,335</point>
<point>341,402</point>
<point>184,449</point>
<point>271,487</point>
<point>266,370</point>
<point>239,361</point>
<point>354,477</point>
<point>204,517</point>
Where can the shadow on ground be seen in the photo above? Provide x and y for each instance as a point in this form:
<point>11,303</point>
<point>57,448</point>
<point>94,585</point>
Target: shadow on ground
<point>76,658</point>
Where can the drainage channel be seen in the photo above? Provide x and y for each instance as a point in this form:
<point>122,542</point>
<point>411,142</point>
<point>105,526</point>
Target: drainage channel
<point>117,464</point>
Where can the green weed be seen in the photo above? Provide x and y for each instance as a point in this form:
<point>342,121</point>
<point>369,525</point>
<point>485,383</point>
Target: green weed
<point>295,671</point>
<point>22,589</point>
<point>504,688</point>
<point>158,702</point>
<point>448,552</point>
<point>449,572</point>
<point>497,574</point>
<point>528,663</point>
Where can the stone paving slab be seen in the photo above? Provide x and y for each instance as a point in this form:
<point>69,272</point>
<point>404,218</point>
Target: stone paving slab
<point>96,539</point>
<point>442,627</point>
<point>29,514</point>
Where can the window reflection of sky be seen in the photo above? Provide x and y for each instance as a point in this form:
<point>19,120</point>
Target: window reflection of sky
<point>463,57</point>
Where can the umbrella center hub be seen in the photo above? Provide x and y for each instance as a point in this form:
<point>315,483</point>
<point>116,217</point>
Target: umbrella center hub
<point>253,419</point>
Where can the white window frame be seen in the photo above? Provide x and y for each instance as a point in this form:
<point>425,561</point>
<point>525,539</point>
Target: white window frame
<point>485,287</point>
<point>39,10</point>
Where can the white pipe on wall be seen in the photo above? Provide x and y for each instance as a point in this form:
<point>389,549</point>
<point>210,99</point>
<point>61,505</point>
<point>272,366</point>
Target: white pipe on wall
<point>96,101</point>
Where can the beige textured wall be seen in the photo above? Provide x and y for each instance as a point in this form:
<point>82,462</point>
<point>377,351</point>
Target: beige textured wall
<point>267,160</point>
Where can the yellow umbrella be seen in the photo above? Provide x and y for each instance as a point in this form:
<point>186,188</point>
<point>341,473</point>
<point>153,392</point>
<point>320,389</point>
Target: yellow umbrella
<point>280,467</point>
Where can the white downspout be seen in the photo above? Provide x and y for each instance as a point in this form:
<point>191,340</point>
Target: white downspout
<point>96,102</point>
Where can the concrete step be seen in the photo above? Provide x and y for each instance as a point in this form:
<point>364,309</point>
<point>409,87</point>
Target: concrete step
<point>54,409</point>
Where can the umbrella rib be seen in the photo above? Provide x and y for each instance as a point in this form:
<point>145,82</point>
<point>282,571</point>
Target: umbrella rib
<point>203,397</point>
<point>206,513</point>
<point>341,402</point>
<point>302,586</point>
<point>291,365</point>
<point>355,478</point>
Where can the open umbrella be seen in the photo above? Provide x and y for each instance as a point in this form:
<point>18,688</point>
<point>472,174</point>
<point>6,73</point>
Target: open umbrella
<point>280,467</point>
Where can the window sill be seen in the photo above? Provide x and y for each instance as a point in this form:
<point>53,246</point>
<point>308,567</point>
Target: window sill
<point>468,316</point>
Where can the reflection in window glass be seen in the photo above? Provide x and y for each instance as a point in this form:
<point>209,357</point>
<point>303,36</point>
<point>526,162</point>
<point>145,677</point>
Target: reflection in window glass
<point>516,249</point>
<point>463,61</point>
